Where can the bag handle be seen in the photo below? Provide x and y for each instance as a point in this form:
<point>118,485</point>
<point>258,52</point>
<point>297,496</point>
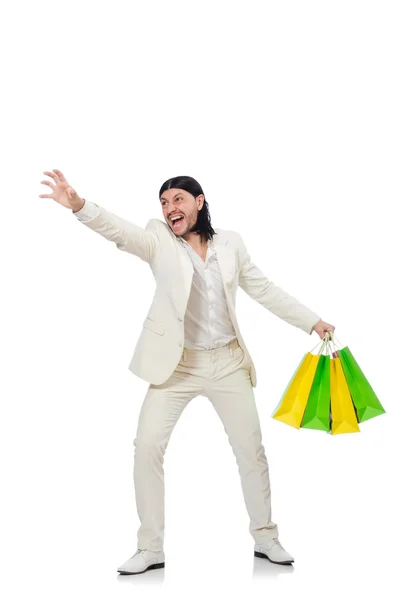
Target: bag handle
<point>332,339</point>
<point>324,343</point>
<point>327,339</point>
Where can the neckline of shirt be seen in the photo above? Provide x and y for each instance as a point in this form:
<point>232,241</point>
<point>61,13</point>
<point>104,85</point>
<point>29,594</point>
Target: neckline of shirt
<point>181,240</point>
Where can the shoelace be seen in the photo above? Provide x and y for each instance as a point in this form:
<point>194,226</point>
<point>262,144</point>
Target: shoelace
<point>138,551</point>
<point>274,541</point>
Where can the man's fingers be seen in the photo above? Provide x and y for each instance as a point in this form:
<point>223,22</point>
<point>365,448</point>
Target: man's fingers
<point>48,183</point>
<point>59,174</point>
<point>50,174</point>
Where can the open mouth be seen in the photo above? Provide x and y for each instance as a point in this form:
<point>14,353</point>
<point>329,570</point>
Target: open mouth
<point>177,224</point>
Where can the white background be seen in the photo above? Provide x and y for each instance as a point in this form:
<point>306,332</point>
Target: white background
<point>285,112</point>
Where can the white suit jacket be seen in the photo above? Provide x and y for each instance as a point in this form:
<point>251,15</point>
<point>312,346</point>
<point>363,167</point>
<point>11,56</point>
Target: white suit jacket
<point>160,344</point>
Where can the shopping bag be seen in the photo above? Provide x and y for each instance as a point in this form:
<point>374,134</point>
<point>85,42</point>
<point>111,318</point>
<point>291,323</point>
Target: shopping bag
<point>366,402</point>
<point>293,402</point>
<point>343,415</point>
<point>317,413</point>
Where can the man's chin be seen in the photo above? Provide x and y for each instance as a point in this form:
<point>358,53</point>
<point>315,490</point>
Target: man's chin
<point>178,233</point>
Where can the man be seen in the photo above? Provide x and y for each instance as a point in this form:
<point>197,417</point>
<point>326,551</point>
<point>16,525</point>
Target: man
<point>191,345</point>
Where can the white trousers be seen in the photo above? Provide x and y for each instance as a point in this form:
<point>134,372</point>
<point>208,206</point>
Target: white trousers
<point>222,376</point>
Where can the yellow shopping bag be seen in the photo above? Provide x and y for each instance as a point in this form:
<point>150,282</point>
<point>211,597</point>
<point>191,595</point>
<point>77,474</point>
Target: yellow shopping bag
<point>293,402</point>
<point>343,415</point>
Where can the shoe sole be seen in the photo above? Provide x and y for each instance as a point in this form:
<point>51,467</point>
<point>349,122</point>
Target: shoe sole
<point>156,566</point>
<point>261,555</point>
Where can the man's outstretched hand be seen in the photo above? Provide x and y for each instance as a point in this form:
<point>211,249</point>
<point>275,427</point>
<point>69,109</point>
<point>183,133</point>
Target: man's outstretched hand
<point>322,327</point>
<point>62,191</point>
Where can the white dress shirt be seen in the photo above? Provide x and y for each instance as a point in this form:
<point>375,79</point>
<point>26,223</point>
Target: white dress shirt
<point>207,321</point>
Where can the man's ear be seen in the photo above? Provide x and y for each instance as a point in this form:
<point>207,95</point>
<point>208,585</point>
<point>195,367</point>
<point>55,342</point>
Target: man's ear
<point>201,199</point>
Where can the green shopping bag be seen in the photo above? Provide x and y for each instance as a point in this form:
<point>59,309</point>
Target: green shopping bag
<point>366,403</point>
<point>317,413</point>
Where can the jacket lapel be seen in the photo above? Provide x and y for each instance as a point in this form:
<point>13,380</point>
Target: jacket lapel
<point>226,260</point>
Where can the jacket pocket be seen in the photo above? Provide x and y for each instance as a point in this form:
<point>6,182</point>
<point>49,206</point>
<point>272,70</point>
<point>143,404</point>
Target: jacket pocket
<point>153,326</point>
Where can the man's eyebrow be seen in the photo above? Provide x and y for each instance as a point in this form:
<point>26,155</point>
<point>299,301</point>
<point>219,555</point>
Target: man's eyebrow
<point>179,193</point>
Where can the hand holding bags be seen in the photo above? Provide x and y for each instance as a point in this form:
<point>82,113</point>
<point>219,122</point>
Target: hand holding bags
<point>328,392</point>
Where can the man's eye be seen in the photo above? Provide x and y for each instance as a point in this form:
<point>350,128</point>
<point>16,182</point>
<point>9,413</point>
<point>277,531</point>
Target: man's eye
<point>164,203</point>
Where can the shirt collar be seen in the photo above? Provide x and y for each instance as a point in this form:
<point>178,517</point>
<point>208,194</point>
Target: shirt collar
<point>184,242</point>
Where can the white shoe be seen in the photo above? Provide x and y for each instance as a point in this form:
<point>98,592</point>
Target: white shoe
<point>274,552</point>
<point>142,561</point>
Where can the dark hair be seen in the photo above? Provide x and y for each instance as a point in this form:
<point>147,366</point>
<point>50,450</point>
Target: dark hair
<point>203,224</point>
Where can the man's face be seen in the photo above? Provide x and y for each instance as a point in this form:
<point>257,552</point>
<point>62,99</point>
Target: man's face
<point>179,202</point>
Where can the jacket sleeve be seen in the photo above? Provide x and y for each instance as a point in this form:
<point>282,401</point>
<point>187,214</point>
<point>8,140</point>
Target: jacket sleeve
<point>272,297</point>
<point>89,211</point>
<point>127,236</point>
